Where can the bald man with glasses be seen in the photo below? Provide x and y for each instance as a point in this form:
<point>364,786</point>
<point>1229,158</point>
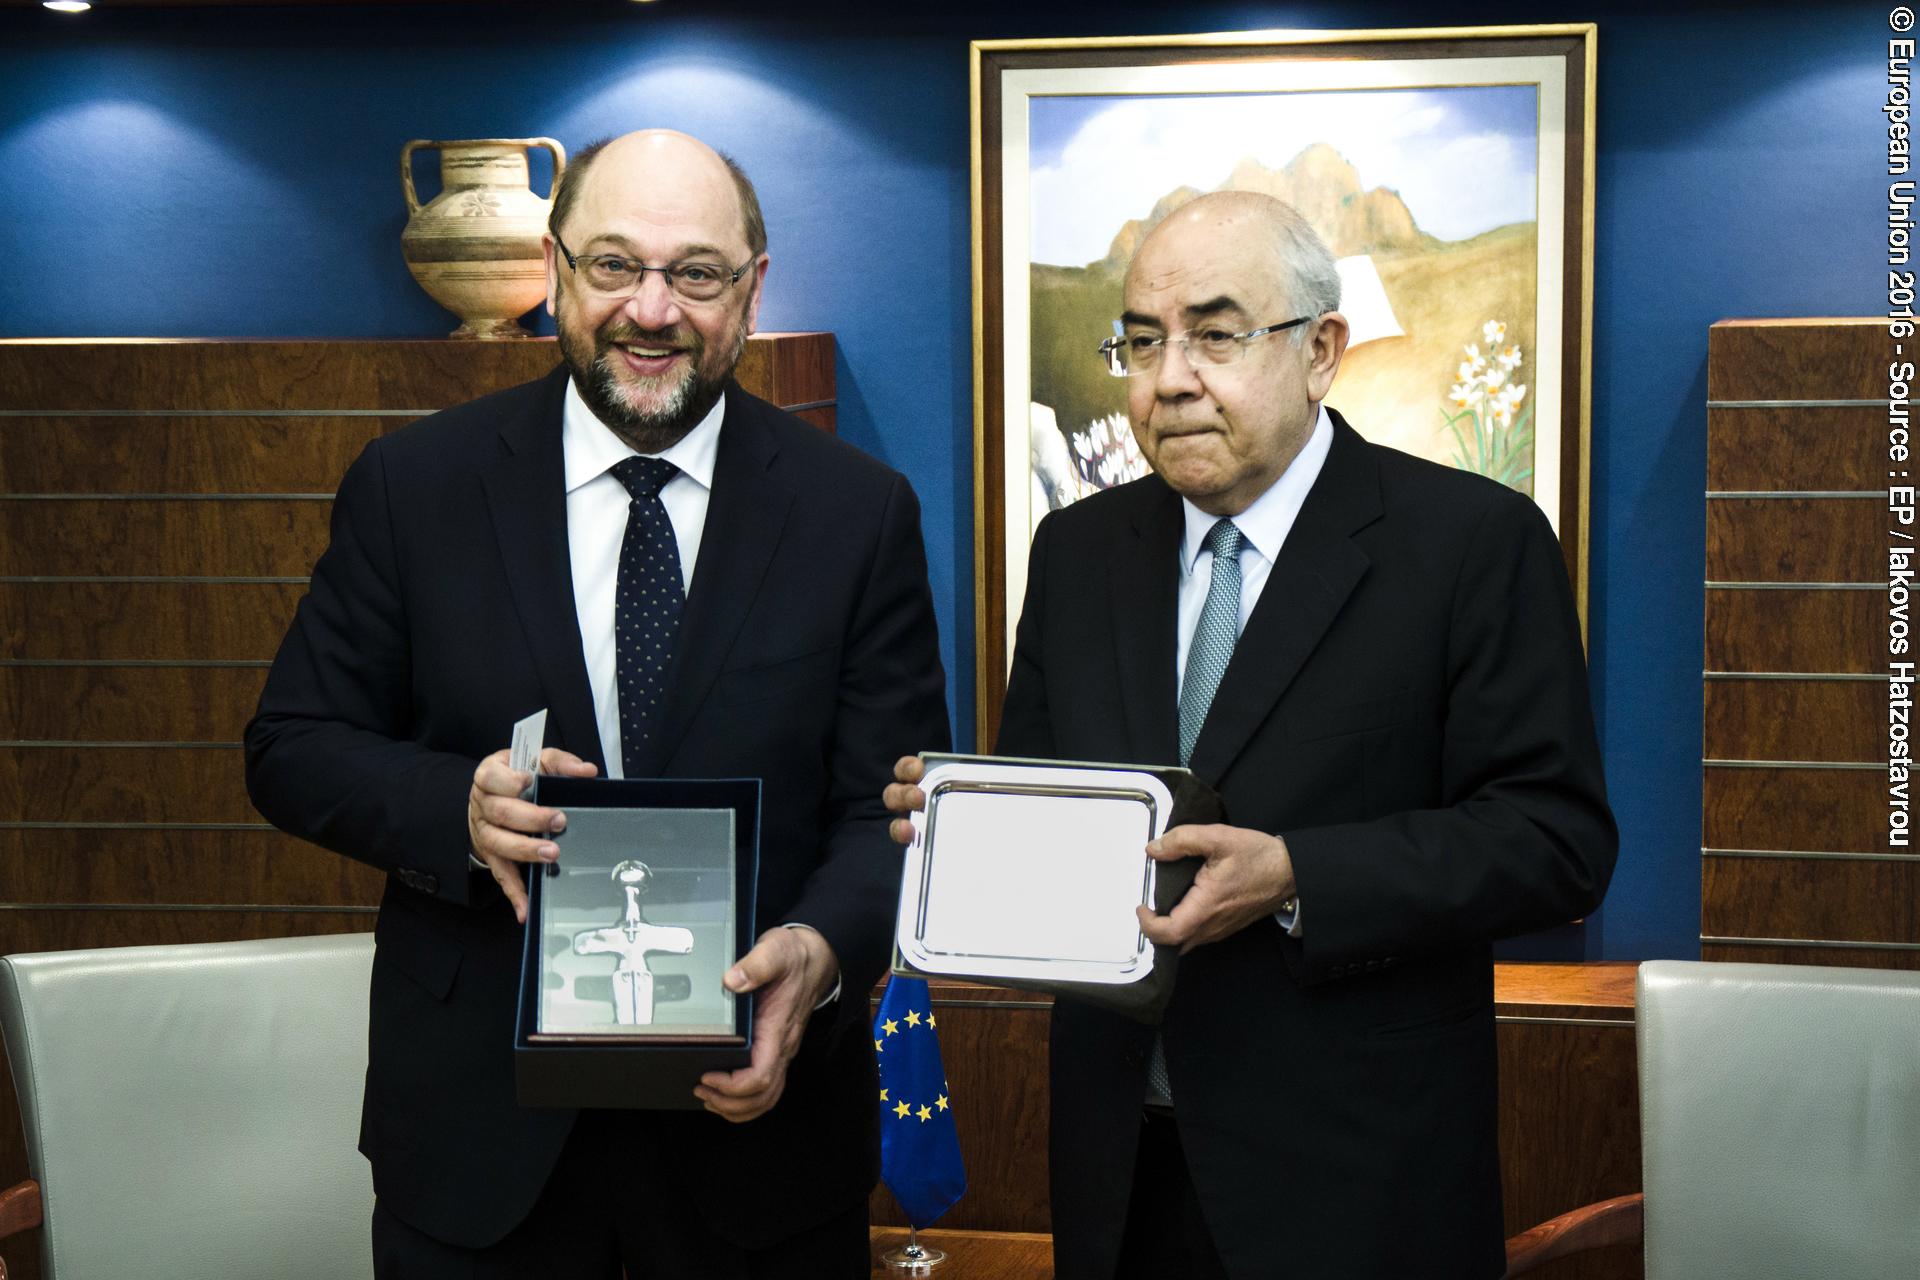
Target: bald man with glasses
<point>1377,663</point>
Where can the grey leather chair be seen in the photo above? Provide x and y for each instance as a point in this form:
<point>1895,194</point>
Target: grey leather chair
<point>192,1111</point>
<point>1780,1128</point>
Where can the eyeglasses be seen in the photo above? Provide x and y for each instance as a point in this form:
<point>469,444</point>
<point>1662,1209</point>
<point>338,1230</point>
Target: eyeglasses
<point>613,276</point>
<point>1131,356</point>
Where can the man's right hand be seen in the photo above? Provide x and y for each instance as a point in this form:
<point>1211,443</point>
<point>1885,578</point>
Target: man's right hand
<point>904,797</point>
<point>504,829</point>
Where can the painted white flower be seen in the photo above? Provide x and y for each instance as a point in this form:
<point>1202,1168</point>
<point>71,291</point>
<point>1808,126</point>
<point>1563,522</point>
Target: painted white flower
<point>1510,356</point>
<point>1493,331</point>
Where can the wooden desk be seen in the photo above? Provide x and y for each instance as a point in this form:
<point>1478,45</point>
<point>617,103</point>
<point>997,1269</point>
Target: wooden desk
<point>1569,1108</point>
<point>1569,1100</point>
<point>971,1255</point>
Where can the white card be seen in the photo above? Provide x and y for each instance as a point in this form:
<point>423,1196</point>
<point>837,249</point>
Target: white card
<point>528,736</point>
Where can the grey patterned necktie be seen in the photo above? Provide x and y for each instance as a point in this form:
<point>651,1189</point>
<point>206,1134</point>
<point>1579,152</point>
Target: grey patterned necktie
<point>1207,658</point>
<point>647,606</point>
<point>1214,637</point>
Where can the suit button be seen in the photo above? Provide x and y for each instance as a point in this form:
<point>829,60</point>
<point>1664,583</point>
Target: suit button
<point>428,883</point>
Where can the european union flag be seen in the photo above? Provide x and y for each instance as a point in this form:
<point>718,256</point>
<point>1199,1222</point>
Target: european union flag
<point>919,1146</point>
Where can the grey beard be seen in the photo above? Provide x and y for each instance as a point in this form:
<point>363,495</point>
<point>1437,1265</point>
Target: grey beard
<point>661,429</point>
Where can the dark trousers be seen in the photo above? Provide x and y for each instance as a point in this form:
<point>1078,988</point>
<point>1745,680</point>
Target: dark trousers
<point>1166,1233</point>
<point>608,1208</point>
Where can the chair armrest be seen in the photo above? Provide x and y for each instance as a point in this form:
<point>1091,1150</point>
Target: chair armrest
<point>1594,1226</point>
<point>19,1211</point>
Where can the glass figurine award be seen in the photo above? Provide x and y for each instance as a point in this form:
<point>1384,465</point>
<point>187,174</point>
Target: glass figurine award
<point>628,935</point>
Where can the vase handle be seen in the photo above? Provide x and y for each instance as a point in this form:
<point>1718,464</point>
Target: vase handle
<point>559,160</point>
<point>406,172</point>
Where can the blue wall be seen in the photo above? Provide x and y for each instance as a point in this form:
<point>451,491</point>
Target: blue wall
<point>231,172</point>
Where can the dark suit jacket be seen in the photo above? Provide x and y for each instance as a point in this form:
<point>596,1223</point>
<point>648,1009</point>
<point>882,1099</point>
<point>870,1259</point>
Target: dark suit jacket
<point>1408,708</point>
<point>442,612</point>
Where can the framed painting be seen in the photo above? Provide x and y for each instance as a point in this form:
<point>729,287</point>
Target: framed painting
<point>1449,169</point>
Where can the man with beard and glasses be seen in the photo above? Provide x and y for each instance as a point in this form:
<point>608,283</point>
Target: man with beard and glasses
<point>485,562</point>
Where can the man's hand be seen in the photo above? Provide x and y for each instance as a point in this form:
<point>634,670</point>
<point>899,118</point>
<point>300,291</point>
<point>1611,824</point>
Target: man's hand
<point>504,829</point>
<point>793,970</point>
<point>1248,875</point>
<point>904,796</point>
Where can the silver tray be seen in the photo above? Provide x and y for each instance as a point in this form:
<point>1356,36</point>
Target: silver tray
<point>1032,871</point>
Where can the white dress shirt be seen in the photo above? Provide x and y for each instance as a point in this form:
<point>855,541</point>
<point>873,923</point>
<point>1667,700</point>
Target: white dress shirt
<point>597,522</point>
<point>1263,529</point>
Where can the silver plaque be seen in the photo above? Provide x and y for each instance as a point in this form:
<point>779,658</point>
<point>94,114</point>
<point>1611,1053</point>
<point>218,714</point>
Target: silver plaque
<point>1032,871</point>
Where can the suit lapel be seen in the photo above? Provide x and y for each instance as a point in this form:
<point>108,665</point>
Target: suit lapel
<point>526,489</point>
<point>745,515</point>
<point>1315,572</point>
<point>1144,593</point>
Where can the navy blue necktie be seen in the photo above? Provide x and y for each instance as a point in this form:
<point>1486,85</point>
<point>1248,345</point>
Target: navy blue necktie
<point>647,605</point>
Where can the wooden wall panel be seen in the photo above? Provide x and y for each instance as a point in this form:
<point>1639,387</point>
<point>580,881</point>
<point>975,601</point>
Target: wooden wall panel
<point>1796,408</point>
<point>1831,899</point>
<point>25,929</point>
<point>1794,719</point>
<point>160,866</point>
<point>145,621</point>
<point>1798,359</point>
<point>1796,539</point>
<point>1831,448</point>
<point>195,376</point>
<point>1813,630</point>
<point>1835,957</point>
<point>793,370</point>
<point>253,454</point>
<point>173,537</point>
<point>125,704</point>
<point>123,784</point>
<point>1812,810</point>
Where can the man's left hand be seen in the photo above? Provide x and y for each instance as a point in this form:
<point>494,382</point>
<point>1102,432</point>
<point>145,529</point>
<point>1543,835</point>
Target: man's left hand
<point>1248,875</point>
<point>792,970</point>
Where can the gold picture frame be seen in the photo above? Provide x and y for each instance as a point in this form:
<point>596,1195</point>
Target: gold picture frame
<point>1068,133</point>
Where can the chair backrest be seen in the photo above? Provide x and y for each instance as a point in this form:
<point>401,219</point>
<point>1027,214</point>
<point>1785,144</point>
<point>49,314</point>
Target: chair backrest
<point>1780,1121</point>
<point>194,1110</point>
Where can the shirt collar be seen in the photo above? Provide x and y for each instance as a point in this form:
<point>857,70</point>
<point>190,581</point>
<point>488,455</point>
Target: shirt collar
<point>590,447</point>
<point>1265,524</point>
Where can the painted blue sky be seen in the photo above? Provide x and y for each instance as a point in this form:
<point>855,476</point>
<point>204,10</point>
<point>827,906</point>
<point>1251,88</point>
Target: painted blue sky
<point>1463,159</point>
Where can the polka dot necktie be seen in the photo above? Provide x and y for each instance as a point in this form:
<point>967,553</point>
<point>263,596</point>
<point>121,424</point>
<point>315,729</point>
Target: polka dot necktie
<point>1207,657</point>
<point>648,603</point>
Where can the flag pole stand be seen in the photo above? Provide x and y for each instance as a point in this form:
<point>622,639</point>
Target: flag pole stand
<point>913,1258</point>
